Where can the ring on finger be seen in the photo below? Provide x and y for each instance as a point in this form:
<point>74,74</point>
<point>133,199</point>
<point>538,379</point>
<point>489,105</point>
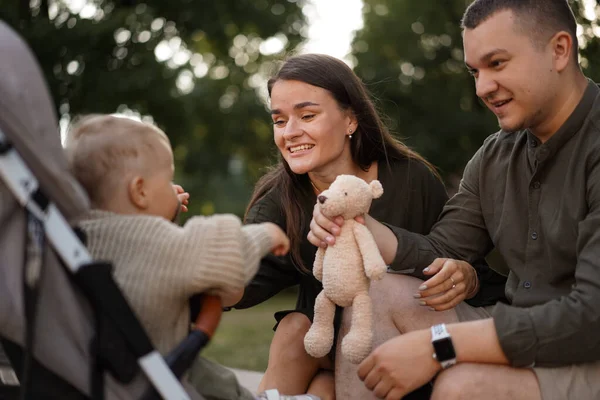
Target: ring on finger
<point>453,283</point>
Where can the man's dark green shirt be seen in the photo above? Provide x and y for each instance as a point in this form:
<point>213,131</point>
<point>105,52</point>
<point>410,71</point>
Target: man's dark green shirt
<point>413,198</point>
<point>539,205</point>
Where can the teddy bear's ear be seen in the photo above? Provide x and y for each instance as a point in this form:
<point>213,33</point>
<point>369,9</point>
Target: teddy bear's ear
<point>376,189</point>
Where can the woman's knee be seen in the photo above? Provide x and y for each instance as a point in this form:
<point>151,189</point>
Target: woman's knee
<point>393,299</point>
<point>288,341</point>
<point>294,323</point>
<point>392,290</point>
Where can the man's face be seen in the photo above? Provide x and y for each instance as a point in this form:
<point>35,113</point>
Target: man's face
<point>514,78</point>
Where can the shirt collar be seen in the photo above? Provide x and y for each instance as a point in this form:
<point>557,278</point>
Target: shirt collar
<point>571,126</point>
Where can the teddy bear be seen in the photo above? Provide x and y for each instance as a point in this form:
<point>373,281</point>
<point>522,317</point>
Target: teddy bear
<point>346,269</point>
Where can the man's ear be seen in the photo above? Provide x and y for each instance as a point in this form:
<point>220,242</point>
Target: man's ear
<point>562,47</point>
<point>138,193</point>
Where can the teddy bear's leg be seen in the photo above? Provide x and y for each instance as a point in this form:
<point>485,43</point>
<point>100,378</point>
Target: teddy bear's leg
<point>358,342</point>
<point>319,338</point>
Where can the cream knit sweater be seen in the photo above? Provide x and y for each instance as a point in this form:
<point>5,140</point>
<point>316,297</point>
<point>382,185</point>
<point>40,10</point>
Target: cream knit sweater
<point>159,265</point>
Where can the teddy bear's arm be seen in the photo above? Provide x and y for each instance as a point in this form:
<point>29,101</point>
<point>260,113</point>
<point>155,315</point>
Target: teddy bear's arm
<point>318,265</point>
<point>373,263</point>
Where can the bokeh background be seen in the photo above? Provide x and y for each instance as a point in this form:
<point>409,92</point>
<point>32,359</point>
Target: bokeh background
<point>198,69</point>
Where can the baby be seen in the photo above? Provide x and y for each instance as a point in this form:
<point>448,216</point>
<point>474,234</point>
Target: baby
<point>127,169</point>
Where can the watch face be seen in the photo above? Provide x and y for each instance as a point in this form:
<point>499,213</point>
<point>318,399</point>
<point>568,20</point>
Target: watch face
<point>444,350</point>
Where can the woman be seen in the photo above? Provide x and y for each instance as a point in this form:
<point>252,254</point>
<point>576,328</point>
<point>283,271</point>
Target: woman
<point>326,125</point>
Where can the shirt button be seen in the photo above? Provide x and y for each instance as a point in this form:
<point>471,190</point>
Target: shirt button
<point>533,143</point>
<point>527,284</point>
<point>534,235</point>
<point>536,184</point>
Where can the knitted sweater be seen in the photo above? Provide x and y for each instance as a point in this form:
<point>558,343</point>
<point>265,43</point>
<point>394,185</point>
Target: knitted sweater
<point>160,265</point>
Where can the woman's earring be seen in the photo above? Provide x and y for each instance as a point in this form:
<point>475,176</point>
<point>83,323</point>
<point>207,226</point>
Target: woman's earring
<point>350,134</point>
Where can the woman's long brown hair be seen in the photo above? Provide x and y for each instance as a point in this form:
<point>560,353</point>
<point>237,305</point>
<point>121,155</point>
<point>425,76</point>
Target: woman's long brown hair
<point>370,142</point>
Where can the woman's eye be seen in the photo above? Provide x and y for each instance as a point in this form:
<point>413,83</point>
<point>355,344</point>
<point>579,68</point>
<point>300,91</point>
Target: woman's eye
<point>279,123</point>
<point>497,63</point>
<point>308,117</point>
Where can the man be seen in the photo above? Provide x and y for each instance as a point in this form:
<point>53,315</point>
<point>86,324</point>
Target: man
<point>533,192</point>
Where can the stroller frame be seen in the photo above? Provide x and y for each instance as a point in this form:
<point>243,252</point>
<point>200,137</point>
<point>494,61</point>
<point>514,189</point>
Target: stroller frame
<point>95,279</point>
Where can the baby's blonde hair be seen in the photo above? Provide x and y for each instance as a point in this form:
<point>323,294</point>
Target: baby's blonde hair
<point>102,150</point>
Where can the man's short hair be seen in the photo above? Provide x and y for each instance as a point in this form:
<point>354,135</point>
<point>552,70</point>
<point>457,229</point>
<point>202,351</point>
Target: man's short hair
<point>540,19</point>
<point>104,149</point>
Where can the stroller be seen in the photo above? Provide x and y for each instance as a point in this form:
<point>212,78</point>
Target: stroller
<point>64,324</point>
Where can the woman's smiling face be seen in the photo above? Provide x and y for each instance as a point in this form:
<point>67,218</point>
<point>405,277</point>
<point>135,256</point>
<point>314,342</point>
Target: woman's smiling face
<point>310,128</point>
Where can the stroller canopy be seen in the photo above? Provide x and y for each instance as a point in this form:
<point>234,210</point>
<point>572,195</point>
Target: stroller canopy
<point>29,121</point>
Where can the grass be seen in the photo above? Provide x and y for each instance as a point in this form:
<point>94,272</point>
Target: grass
<point>243,337</point>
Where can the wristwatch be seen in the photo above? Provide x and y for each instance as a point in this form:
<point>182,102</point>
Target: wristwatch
<point>443,349</point>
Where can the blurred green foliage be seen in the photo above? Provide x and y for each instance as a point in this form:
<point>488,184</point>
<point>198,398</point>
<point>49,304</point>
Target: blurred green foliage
<point>243,337</point>
<point>100,56</point>
<point>410,55</point>
<point>197,67</point>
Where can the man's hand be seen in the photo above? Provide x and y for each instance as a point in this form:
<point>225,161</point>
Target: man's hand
<point>453,281</point>
<point>280,241</point>
<point>400,365</point>
<point>182,196</point>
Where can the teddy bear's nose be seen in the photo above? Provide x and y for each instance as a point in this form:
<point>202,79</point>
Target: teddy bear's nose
<point>321,199</point>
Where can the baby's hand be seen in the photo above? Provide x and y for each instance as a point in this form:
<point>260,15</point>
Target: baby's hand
<point>182,196</point>
<point>281,243</point>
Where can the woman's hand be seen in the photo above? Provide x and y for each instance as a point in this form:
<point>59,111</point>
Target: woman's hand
<point>322,229</point>
<point>453,281</point>
<point>182,196</point>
